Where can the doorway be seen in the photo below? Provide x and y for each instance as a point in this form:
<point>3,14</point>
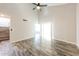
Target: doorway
<point>43,35</point>
<point>46,35</point>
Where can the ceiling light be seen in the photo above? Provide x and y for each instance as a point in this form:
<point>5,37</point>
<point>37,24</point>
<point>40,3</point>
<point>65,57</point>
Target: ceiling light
<point>38,7</point>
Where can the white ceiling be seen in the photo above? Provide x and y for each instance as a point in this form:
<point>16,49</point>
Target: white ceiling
<point>53,4</point>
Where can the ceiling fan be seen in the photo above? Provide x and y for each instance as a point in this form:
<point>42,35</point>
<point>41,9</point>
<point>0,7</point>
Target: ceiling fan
<point>38,6</point>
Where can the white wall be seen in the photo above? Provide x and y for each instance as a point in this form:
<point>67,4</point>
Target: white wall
<point>24,30</point>
<point>77,24</point>
<point>21,30</point>
<point>64,19</point>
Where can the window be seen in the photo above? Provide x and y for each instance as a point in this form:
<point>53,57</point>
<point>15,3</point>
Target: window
<point>4,22</point>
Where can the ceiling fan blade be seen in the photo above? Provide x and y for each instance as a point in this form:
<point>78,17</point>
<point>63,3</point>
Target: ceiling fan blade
<point>35,4</point>
<point>34,8</point>
<point>43,5</point>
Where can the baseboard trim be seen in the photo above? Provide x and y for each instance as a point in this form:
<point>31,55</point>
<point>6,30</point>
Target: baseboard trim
<point>21,40</point>
<point>67,42</point>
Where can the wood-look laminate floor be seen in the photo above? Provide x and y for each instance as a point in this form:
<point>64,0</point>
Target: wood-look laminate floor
<point>58,48</point>
<point>28,48</point>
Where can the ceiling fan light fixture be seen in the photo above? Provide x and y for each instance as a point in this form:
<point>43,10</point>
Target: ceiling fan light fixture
<point>38,7</point>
